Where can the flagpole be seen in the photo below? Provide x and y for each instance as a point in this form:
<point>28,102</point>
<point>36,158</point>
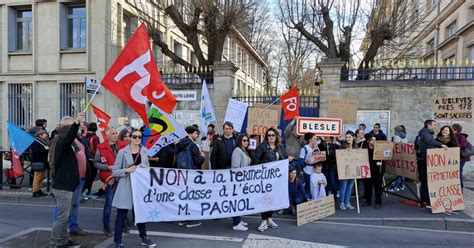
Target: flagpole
<point>278,99</point>
<point>90,101</point>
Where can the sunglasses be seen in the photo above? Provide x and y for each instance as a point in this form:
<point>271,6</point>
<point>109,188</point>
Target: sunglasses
<point>271,135</point>
<point>245,140</point>
<point>136,137</point>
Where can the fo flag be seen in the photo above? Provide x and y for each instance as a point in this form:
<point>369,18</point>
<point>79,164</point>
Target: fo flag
<point>103,120</point>
<point>20,141</point>
<point>134,77</point>
<point>291,103</point>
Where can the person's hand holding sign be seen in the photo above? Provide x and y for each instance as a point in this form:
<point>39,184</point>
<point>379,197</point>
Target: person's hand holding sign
<point>131,169</point>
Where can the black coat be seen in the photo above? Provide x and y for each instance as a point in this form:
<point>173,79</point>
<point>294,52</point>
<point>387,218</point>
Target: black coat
<point>195,153</point>
<point>265,154</point>
<point>219,159</point>
<point>66,168</point>
<point>166,157</point>
<point>425,141</point>
<point>379,136</point>
<point>39,154</point>
<point>330,150</point>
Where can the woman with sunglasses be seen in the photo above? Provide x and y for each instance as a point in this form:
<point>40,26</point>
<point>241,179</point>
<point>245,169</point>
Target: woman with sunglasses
<point>240,158</point>
<point>271,149</point>
<point>127,161</point>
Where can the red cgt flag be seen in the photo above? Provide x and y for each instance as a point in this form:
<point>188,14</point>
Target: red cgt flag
<point>103,120</point>
<point>290,103</point>
<point>134,77</point>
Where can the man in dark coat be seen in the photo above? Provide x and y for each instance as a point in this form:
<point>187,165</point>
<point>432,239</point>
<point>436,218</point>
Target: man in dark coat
<point>377,133</point>
<point>221,155</point>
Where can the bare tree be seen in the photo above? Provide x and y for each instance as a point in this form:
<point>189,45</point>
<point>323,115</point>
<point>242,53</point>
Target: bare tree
<point>196,19</point>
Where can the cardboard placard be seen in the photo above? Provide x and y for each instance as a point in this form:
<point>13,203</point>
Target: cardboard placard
<point>343,108</point>
<point>352,163</point>
<point>319,156</point>
<point>403,162</point>
<point>315,210</point>
<point>383,150</point>
<point>444,184</point>
<point>453,108</point>
<point>276,107</point>
<point>236,111</point>
<point>319,126</point>
<point>260,120</point>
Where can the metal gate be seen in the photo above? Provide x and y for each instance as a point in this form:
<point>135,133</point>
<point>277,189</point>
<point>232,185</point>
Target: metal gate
<point>20,105</point>
<point>72,98</point>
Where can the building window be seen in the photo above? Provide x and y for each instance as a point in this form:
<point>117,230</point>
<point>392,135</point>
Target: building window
<point>24,30</point>
<point>76,27</point>
<point>430,46</point>
<point>451,29</point>
<point>127,27</point>
<point>20,105</point>
<point>71,98</point>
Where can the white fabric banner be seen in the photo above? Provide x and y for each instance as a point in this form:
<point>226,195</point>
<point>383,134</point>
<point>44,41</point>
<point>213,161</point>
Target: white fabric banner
<point>236,111</point>
<point>161,194</point>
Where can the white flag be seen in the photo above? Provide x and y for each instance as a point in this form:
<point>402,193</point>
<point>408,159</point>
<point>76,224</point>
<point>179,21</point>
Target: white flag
<point>207,112</point>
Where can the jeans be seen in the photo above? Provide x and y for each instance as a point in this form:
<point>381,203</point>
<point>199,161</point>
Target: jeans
<point>422,173</point>
<point>345,190</point>
<point>59,235</point>
<point>295,201</point>
<point>91,173</point>
<point>461,169</point>
<point>121,216</point>
<point>332,179</point>
<point>373,184</point>
<point>109,196</point>
<point>307,185</point>
<point>73,223</point>
<point>236,220</point>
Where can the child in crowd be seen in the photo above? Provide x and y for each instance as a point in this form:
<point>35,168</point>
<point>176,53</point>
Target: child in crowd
<point>318,183</point>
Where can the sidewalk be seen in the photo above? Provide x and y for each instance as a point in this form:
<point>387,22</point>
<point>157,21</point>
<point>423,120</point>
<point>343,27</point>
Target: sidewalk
<point>393,213</point>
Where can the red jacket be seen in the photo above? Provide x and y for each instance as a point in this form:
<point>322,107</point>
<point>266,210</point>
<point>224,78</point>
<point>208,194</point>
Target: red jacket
<point>107,156</point>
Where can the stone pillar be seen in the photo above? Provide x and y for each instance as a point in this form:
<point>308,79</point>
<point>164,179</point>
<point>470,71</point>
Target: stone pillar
<point>224,76</point>
<point>330,89</point>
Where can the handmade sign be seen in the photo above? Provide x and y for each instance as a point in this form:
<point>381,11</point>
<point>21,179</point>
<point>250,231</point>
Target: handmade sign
<point>319,126</point>
<point>260,120</point>
<point>383,150</point>
<point>453,108</point>
<point>161,194</point>
<point>236,111</point>
<point>444,183</point>
<point>315,210</point>
<point>343,108</point>
<point>318,156</point>
<point>352,163</point>
<point>403,161</point>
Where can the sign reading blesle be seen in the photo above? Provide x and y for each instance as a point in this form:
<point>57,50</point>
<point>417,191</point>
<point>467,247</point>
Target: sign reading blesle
<point>319,126</point>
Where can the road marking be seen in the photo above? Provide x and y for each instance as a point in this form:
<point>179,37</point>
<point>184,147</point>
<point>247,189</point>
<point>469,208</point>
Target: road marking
<point>257,241</point>
<point>192,236</point>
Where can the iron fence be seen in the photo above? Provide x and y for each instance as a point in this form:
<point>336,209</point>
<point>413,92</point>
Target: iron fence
<point>184,80</point>
<point>20,104</point>
<point>71,98</point>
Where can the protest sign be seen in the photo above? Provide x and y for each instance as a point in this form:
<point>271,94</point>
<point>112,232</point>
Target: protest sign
<point>315,210</point>
<point>383,150</point>
<point>260,120</point>
<point>352,163</point>
<point>343,108</point>
<point>92,85</point>
<point>161,194</point>
<point>319,126</point>
<point>276,107</point>
<point>403,161</point>
<point>319,156</point>
<point>252,144</point>
<point>444,182</point>
<point>236,111</point>
<point>453,108</point>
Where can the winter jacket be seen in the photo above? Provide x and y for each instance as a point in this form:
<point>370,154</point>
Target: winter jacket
<point>195,153</point>
<point>379,136</point>
<point>66,167</point>
<point>219,157</point>
<point>166,157</point>
<point>105,157</point>
<point>240,158</point>
<point>425,142</point>
<point>296,190</point>
<point>39,154</point>
<point>462,142</point>
<point>265,154</point>
<point>293,145</point>
<point>330,150</point>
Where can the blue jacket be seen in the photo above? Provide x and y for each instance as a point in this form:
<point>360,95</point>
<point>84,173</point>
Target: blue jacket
<point>296,190</point>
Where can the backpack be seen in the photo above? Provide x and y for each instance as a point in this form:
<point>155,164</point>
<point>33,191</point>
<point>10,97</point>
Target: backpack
<point>184,158</point>
<point>86,141</point>
<point>468,151</point>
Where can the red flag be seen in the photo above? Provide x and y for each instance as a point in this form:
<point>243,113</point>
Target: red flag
<point>16,164</point>
<point>290,103</point>
<point>103,120</point>
<point>134,77</point>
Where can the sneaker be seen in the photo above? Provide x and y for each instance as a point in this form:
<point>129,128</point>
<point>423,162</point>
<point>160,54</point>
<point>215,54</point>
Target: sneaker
<point>78,232</point>
<point>191,224</point>
<point>240,227</point>
<point>119,245</point>
<point>271,223</point>
<point>280,212</point>
<point>263,226</point>
<point>70,243</point>
<point>401,188</point>
<point>337,194</point>
<point>342,207</point>
<point>349,206</point>
<point>244,223</point>
<point>39,194</point>
<point>182,223</point>
<point>147,242</point>
<point>107,232</point>
<point>394,189</point>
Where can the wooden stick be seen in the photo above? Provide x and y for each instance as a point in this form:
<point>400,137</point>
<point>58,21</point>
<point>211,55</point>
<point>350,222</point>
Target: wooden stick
<point>357,196</point>
<point>90,101</point>
<point>278,99</point>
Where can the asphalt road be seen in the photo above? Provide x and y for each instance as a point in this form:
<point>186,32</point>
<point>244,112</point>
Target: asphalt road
<point>15,218</point>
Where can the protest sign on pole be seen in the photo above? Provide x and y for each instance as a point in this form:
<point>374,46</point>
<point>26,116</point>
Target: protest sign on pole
<point>315,210</point>
<point>383,150</point>
<point>453,108</point>
<point>403,162</point>
<point>276,107</point>
<point>260,120</point>
<point>352,163</point>
<point>444,183</point>
<point>207,111</point>
<point>161,194</point>
<point>319,126</point>
<point>236,111</point>
<point>343,108</point>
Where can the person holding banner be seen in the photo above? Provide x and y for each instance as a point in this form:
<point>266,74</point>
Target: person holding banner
<point>127,161</point>
<point>347,185</point>
<point>271,149</point>
<point>223,147</point>
<point>240,158</point>
<point>376,177</point>
<point>423,142</point>
<point>400,136</point>
<point>463,144</point>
